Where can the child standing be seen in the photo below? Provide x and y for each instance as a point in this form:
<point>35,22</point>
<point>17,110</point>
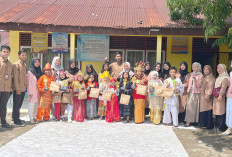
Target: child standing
<point>91,103</point>
<point>171,104</point>
<point>45,95</point>
<point>78,104</point>
<point>112,111</point>
<point>139,100</point>
<point>33,75</point>
<point>60,107</point>
<point>103,85</point>
<point>126,88</point>
<point>156,102</point>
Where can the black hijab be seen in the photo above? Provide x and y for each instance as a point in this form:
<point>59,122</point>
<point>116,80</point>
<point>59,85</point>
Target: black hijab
<point>146,72</point>
<point>183,73</point>
<point>73,71</point>
<point>160,71</point>
<point>35,70</point>
<point>166,72</point>
<point>92,71</point>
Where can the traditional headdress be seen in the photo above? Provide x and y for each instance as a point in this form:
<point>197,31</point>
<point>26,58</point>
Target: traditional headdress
<point>139,66</point>
<point>105,74</point>
<point>80,74</point>
<point>112,80</point>
<point>47,67</point>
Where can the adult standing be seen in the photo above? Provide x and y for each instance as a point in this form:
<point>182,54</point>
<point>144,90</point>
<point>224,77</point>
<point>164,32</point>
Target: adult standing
<point>184,76</point>
<point>6,82</point>
<point>146,75</point>
<point>33,76</point>
<point>158,69</point>
<point>194,90</point>
<point>90,70</point>
<point>127,68</point>
<point>19,86</point>
<point>165,73</point>
<point>219,105</point>
<point>206,103</point>
<point>56,67</point>
<point>116,67</point>
<point>105,67</point>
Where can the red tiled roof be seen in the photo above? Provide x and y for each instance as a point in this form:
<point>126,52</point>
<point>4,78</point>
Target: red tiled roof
<point>84,13</point>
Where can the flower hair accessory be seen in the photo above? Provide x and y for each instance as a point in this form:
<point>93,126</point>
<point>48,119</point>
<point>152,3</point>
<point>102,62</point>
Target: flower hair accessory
<point>139,66</point>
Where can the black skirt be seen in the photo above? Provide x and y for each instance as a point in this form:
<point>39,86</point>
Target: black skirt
<point>221,122</point>
<point>206,119</point>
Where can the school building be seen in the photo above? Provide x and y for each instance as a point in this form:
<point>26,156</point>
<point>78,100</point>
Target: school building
<point>140,29</point>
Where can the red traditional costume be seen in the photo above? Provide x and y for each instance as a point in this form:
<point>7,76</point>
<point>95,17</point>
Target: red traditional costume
<point>45,96</point>
<point>78,104</point>
<point>112,111</point>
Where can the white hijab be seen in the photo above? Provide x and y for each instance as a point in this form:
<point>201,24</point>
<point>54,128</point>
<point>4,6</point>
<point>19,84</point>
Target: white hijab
<point>198,65</point>
<point>221,76</point>
<point>129,66</point>
<point>56,67</point>
<point>154,73</point>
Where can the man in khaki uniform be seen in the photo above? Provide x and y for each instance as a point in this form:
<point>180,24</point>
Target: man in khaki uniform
<point>5,83</point>
<point>19,86</point>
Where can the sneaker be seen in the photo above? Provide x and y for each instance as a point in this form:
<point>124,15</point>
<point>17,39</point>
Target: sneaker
<point>227,132</point>
<point>6,125</point>
<point>69,119</point>
<point>19,124</point>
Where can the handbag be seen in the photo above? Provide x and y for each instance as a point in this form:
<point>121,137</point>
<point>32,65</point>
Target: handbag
<point>106,95</point>
<point>125,99</point>
<point>159,90</point>
<point>66,98</point>
<point>56,98</point>
<point>216,92</point>
<point>168,92</point>
<point>54,86</point>
<point>141,90</point>
<point>82,94</point>
<point>94,93</point>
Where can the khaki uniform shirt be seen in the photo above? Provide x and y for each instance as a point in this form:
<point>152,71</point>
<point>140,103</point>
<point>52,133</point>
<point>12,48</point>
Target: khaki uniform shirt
<point>19,76</point>
<point>116,69</point>
<point>5,75</point>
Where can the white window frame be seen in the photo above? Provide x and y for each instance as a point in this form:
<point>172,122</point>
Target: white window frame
<point>136,51</point>
<point>163,52</point>
<point>120,50</point>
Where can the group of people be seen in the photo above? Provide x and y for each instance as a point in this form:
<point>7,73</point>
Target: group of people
<point>169,96</point>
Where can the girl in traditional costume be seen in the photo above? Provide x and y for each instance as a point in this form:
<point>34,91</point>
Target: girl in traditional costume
<point>103,85</point>
<point>78,104</point>
<point>91,103</point>
<point>45,95</point>
<point>156,102</point>
<point>139,100</point>
<point>112,111</point>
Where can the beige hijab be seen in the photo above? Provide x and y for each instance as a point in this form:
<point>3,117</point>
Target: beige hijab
<point>221,76</point>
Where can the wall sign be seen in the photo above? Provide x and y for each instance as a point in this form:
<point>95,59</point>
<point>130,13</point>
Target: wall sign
<point>59,42</point>
<point>39,42</point>
<point>180,45</point>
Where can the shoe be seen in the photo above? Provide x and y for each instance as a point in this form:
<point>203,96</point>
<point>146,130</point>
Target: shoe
<point>69,119</point>
<point>227,132</point>
<point>19,124</point>
<point>32,122</point>
<point>6,125</point>
<point>62,119</point>
<point>126,121</point>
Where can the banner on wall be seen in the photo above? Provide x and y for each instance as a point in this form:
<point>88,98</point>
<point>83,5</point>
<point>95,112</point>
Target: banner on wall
<point>180,45</point>
<point>60,42</point>
<point>92,47</point>
<point>39,42</point>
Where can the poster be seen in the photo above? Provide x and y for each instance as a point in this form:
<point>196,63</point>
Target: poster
<point>59,42</point>
<point>39,42</point>
<point>92,47</point>
<point>180,45</point>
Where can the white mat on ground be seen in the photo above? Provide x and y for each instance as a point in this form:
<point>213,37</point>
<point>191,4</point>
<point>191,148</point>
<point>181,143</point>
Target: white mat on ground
<point>95,138</point>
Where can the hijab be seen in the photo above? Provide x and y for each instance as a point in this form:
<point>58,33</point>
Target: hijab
<point>183,73</point>
<point>222,76</point>
<point>131,73</point>
<point>154,73</point>
<point>146,72</point>
<point>35,70</point>
<point>72,71</point>
<point>160,71</point>
<point>92,71</point>
<point>166,72</point>
<point>199,70</point>
<point>56,67</point>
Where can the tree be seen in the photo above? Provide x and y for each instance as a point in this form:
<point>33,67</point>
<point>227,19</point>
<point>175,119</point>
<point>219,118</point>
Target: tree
<point>213,15</point>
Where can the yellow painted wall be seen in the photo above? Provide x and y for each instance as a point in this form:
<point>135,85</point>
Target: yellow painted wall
<point>14,45</point>
<point>96,65</point>
<point>176,59</point>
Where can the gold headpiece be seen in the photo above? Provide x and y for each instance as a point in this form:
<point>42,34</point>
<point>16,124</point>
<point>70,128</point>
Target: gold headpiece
<point>139,66</point>
<point>105,74</point>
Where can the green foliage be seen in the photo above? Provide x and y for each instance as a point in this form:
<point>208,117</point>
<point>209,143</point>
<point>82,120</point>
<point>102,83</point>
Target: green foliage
<point>212,15</point>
